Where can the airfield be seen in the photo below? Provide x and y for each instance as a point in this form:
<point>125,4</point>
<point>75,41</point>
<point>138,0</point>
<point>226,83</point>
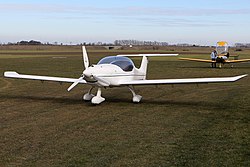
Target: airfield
<point>175,125</point>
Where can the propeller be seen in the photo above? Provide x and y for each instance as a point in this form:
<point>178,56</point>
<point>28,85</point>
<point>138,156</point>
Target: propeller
<point>85,57</point>
<point>86,65</point>
<point>75,83</point>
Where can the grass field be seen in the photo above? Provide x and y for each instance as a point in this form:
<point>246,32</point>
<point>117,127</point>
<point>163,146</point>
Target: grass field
<point>184,125</point>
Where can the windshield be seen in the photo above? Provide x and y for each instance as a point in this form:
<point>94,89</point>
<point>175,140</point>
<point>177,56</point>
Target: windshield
<point>222,47</point>
<point>124,63</point>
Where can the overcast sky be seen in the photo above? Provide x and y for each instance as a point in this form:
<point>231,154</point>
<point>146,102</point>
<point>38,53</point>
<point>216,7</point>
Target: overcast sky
<point>173,21</point>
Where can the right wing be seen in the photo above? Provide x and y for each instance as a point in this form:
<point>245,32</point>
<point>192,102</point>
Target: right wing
<point>12,74</point>
<point>237,61</point>
<point>183,81</point>
<point>198,60</point>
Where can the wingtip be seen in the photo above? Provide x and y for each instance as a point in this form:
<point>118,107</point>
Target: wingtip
<point>244,75</point>
<point>10,73</point>
<point>241,76</point>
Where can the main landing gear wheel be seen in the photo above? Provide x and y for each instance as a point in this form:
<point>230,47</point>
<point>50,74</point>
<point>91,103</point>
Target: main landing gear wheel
<point>136,98</point>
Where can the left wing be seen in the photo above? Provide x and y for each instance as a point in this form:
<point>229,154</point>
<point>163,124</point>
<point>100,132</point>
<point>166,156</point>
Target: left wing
<point>13,74</point>
<point>198,60</point>
<point>183,81</point>
<point>237,61</point>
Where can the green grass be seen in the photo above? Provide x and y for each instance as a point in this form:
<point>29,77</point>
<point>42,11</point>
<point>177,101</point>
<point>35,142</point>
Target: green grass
<point>184,125</point>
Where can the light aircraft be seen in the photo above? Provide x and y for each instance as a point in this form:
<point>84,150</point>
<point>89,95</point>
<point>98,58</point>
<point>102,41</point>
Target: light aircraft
<point>117,71</point>
<point>221,58</point>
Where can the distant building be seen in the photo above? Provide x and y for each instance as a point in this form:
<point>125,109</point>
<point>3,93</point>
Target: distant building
<point>242,45</point>
<point>184,44</point>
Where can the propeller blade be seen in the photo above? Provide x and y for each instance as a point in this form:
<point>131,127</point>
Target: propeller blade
<point>85,57</point>
<point>103,82</point>
<point>75,83</point>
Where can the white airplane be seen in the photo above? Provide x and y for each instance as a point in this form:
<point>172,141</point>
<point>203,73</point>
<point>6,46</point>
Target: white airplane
<point>117,71</point>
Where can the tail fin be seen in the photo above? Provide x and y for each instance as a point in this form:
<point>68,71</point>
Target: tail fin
<point>144,62</point>
<point>144,66</point>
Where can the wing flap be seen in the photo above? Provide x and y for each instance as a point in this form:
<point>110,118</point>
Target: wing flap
<point>198,60</point>
<point>13,74</point>
<point>184,81</point>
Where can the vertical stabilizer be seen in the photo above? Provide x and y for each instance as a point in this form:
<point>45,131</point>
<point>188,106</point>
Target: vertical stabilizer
<point>144,66</point>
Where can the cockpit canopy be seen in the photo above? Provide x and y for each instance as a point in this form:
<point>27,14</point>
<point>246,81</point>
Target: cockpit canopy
<point>222,47</point>
<point>124,63</point>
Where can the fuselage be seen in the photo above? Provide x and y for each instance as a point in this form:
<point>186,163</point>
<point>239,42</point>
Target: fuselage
<point>112,73</point>
<point>221,59</point>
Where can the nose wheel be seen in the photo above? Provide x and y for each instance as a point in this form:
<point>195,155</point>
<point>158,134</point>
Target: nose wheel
<point>220,65</point>
<point>88,96</point>
<point>98,98</point>
<point>94,99</point>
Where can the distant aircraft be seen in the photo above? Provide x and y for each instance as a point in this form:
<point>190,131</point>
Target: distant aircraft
<point>117,71</point>
<point>221,58</point>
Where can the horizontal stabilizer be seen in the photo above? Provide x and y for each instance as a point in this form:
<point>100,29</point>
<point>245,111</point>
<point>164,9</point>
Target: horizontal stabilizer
<point>147,55</point>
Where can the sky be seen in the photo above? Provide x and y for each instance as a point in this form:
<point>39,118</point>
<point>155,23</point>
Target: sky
<point>201,22</point>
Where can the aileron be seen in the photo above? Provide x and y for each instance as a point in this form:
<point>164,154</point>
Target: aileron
<point>184,81</point>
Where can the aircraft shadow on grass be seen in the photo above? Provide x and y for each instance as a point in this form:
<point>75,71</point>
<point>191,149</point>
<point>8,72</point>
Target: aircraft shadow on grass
<point>115,101</point>
<point>27,98</point>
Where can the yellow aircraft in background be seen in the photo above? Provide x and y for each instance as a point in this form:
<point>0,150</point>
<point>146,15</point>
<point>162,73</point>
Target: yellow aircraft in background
<point>220,55</point>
